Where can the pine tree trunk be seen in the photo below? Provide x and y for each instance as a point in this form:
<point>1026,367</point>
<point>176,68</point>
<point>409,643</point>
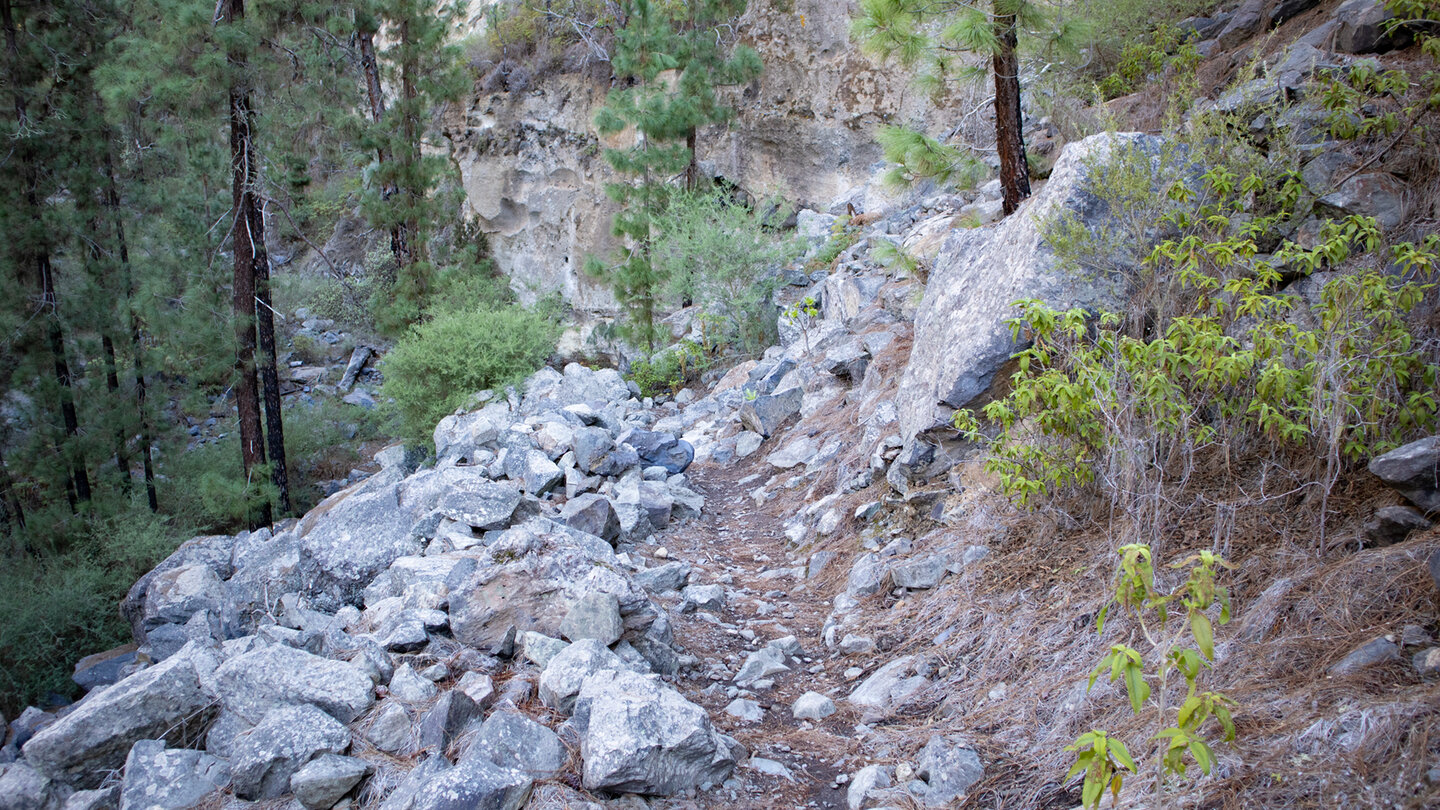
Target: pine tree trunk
<point>692,169</point>
<point>112,385</point>
<point>247,394</point>
<point>269,378</point>
<point>127,284</point>
<point>406,254</point>
<point>1014,174</point>
<point>77,478</point>
<point>10,510</point>
<point>399,246</point>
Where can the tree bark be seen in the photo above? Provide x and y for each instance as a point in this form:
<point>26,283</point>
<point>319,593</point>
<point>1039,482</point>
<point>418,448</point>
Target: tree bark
<point>12,513</point>
<point>399,243</point>
<point>78,479</point>
<point>1009,142</point>
<point>127,284</point>
<point>269,377</point>
<point>242,198</point>
<point>112,385</point>
<point>406,253</point>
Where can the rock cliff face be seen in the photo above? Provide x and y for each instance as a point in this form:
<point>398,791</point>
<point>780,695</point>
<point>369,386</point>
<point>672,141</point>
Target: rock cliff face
<point>533,172</point>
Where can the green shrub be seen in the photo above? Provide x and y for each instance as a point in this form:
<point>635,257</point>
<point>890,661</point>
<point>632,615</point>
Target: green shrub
<point>438,365</point>
<point>60,608</point>
<point>720,255</point>
<point>670,370</point>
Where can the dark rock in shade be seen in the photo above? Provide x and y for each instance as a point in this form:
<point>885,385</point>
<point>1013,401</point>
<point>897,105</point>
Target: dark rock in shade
<point>592,446</point>
<point>659,449</point>
<point>512,740</point>
<point>1393,524</point>
<point>1374,194</point>
<point>475,783</point>
<point>446,719</point>
<point>268,755</point>
<point>1362,28</point>
<point>641,736</point>
<point>326,779</point>
<point>107,798</point>
<point>594,514</point>
<point>765,378</point>
<point>1244,23</point>
<point>1287,9</point>
<point>358,359</point>
<point>166,701</point>
<point>848,361</point>
<point>767,412</point>
<point>157,778</point>
<point>1434,565</point>
<point>1414,471</point>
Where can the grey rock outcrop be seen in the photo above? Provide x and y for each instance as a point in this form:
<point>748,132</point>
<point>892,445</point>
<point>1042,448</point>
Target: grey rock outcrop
<point>252,684</point>
<point>640,736</point>
<point>323,781</point>
<point>157,778</point>
<point>566,673</point>
<point>1414,471</point>
<point>267,756</point>
<point>168,701</point>
<point>514,741</point>
<point>950,768</point>
<point>962,339</point>
<point>475,783</point>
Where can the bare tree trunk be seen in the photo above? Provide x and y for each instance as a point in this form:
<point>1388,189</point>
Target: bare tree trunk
<point>127,283</point>
<point>410,131</point>
<point>78,479</point>
<point>269,378</point>
<point>1009,142</point>
<point>112,385</point>
<point>399,243</point>
<point>247,394</point>
<point>692,169</point>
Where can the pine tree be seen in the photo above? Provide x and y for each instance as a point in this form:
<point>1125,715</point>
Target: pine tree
<point>672,67</point>
<point>939,34</point>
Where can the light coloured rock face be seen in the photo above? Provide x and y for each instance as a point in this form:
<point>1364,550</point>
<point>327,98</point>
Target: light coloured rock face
<point>962,339</point>
<point>532,168</point>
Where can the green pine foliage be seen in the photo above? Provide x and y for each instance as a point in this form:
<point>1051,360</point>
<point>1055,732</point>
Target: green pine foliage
<point>670,63</point>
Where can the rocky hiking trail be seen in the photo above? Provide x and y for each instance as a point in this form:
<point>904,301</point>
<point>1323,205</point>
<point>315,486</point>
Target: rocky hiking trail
<point>768,595</point>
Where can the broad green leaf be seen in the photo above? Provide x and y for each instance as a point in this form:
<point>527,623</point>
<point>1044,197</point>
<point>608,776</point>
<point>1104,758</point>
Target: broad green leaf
<point>1204,633</point>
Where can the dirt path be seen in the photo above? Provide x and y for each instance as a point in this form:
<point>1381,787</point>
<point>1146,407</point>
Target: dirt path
<point>743,547</point>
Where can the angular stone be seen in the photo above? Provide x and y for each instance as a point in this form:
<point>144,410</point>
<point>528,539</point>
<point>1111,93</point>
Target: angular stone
<point>445,721</point>
<point>668,577</point>
<point>178,594</point>
<point>24,788</point>
<point>640,736</point>
<point>391,728</point>
<point>1392,524</point>
<point>290,736</point>
<point>102,669</point>
<point>1376,194</point>
<point>566,673</point>
<point>848,361</point>
<point>800,450</point>
<point>1370,654</point>
<point>540,648</point>
<point>1414,471</point>
<point>595,615</point>
<point>358,359</point>
<point>889,686</point>
<point>1244,23</point>
<point>705,597</point>
<point>479,687</point>
<point>922,572</point>
<point>252,684</point>
<point>486,506</point>
<point>167,701</point>
<point>512,740</point>
<point>1427,662</point>
<point>100,799</point>
<point>354,535</point>
<point>767,412</point>
<point>865,782</point>
<point>746,711</point>
<point>950,768</point>
<point>475,783</point>
<point>759,665</point>
<point>1362,28</point>
<point>867,576</point>
<point>407,685</point>
<point>812,706</point>
<point>593,514</point>
<point>323,781</point>
<point>535,472</point>
<point>747,442</point>
<point>157,778</point>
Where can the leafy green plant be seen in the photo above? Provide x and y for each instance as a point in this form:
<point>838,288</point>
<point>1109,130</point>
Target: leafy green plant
<point>438,365</point>
<point>1165,52</point>
<point>1235,359</point>
<point>670,370</point>
<point>801,313</point>
<point>843,236</point>
<point>1104,759</point>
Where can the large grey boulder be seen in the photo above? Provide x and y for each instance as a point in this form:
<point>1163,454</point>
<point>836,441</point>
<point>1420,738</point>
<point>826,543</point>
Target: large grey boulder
<point>475,783</point>
<point>215,551</point>
<point>24,788</point>
<point>175,595</point>
<point>640,736</point>
<point>512,740</point>
<point>252,684</point>
<point>534,470</point>
<point>391,729</point>
<point>447,719</point>
<point>593,447</point>
<point>1413,470</point>
<point>962,336</point>
<point>1362,28</point>
<point>485,506</point>
<point>287,738</point>
<point>767,412</point>
<point>1247,21</point>
<point>352,536</point>
<point>565,675</point>
<point>326,779</point>
<point>1374,194</point>
<point>594,616</point>
<point>950,768</point>
<point>160,778</point>
<point>593,514</point>
<point>167,701</point>
<point>659,448</point>
<point>458,436</point>
<point>890,686</point>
